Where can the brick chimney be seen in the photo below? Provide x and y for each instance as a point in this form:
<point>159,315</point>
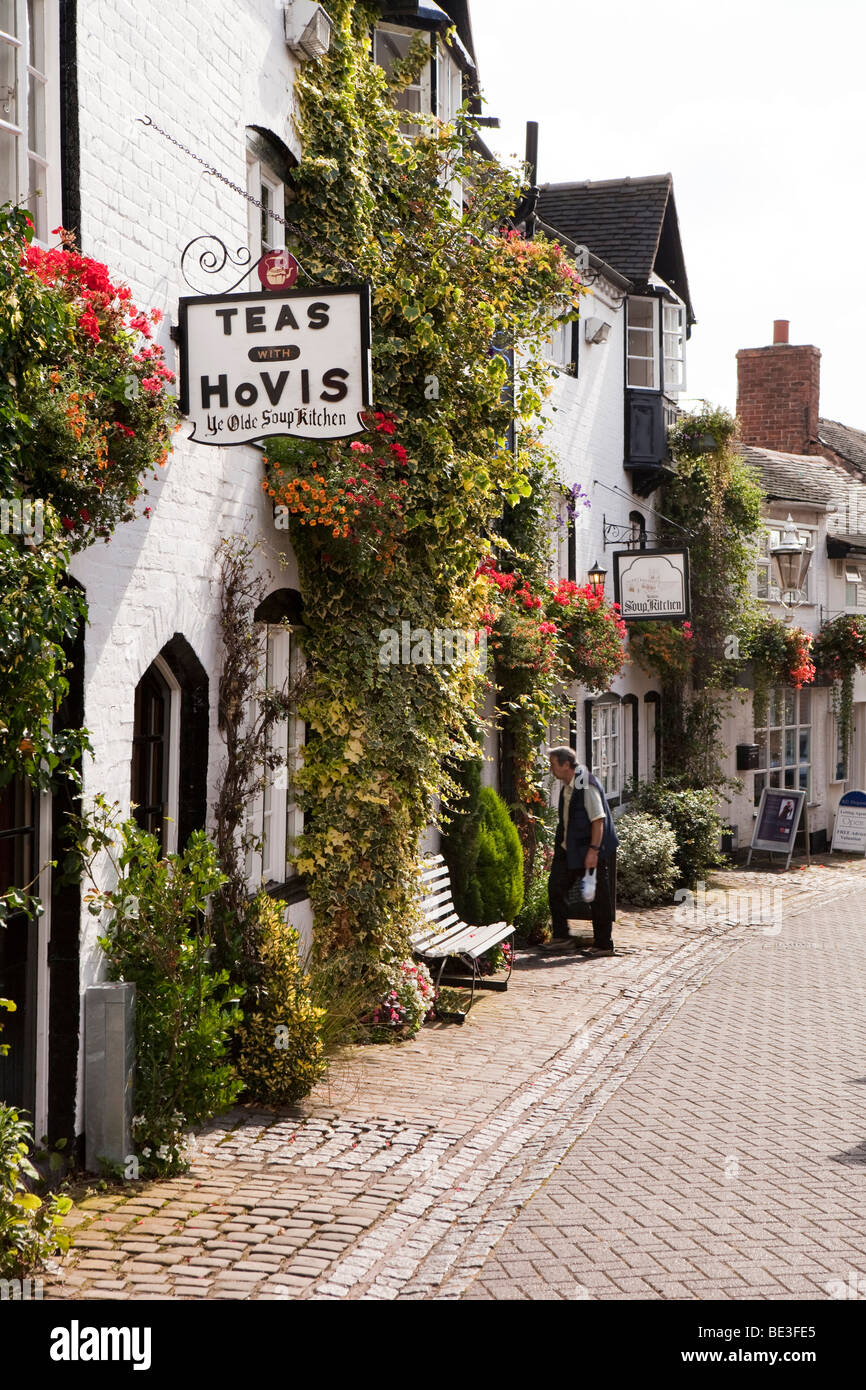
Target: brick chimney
<point>777,394</point>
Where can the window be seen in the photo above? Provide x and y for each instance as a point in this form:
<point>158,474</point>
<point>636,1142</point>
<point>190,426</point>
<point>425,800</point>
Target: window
<point>641,337</point>
<point>30,109</point>
<point>275,820</point>
<point>637,522</point>
<point>155,750</point>
<point>17,835</point>
<point>785,745</point>
<point>674,346</point>
<point>268,170</point>
<point>767,588</point>
<point>607,747</point>
<point>561,346</point>
<point>852,584</point>
<point>391,46</point>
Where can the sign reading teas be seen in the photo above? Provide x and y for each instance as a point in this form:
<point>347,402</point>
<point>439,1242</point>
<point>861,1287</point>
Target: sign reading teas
<point>294,362</point>
<point>651,584</point>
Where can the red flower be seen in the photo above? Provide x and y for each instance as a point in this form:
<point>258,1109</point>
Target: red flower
<point>84,514</point>
<point>67,523</point>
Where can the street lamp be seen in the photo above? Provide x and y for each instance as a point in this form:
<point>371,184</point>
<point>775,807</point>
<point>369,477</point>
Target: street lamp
<point>597,576</point>
<point>791,560</point>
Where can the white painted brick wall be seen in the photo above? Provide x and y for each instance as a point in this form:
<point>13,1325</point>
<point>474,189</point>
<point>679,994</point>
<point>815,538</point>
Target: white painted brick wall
<point>204,73</point>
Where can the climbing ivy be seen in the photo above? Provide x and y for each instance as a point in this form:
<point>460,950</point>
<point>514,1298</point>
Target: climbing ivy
<point>712,504</point>
<point>448,280</point>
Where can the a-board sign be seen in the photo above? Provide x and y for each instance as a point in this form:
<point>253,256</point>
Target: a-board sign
<point>849,829</point>
<point>778,817</point>
<point>650,585</point>
<point>291,362</point>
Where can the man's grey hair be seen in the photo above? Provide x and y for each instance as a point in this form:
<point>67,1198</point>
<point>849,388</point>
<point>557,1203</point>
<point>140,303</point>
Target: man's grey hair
<point>563,755</point>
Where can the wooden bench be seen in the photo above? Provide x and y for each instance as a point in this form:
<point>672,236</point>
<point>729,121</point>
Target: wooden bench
<point>447,938</point>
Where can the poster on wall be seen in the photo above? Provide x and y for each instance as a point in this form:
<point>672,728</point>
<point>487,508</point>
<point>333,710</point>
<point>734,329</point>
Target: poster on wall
<point>778,818</point>
<point>849,830</point>
<point>293,362</point>
<point>651,585</point>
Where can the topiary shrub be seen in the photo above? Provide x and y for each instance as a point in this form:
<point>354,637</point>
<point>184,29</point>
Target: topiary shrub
<point>499,869</point>
<point>696,824</point>
<point>646,867</point>
<point>459,841</point>
<point>281,1053</point>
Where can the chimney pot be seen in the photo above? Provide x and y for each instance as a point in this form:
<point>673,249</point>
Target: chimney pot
<point>780,331</point>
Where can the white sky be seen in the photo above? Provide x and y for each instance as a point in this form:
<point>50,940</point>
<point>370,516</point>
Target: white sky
<point>757,109</point>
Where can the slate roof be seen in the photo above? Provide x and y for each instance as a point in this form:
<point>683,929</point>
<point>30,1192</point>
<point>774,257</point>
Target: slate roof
<point>630,223</point>
<point>848,443</point>
<point>793,477</point>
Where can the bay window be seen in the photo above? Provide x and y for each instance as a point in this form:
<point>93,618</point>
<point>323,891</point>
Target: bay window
<point>674,346</point>
<point>641,343</point>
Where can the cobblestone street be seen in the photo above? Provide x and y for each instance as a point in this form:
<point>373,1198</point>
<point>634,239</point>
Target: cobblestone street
<point>684,1120</point>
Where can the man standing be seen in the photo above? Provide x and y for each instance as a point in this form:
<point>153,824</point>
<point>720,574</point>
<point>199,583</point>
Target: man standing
<point>585,839</point>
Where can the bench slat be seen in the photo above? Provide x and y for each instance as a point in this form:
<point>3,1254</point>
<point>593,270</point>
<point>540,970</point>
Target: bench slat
<point>467,941</point>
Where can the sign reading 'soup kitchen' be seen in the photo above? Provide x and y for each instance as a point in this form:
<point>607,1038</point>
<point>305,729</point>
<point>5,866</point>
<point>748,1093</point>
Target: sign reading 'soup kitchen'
<point>651,584</point>
<point>294,362</point>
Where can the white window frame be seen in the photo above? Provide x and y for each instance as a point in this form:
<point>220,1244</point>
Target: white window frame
<point>772,535</point>
<point>424,83</point>
<point>653,331</point>
<point>274,816</point>
<point>172,800</point>
<point>609,771</point>
<point>678,357</point>
<point>449,85</point>
<point>775,775</point>
<point>852,579</point>
<point>262,179</point>
<point>46,211</point>
<point>558,349</point>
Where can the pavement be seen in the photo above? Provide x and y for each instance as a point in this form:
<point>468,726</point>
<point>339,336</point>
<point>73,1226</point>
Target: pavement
<point>684,1120</point>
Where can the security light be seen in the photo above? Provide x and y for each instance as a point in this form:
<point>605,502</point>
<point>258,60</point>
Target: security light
<point>308,28</point>
<point>597,330</point>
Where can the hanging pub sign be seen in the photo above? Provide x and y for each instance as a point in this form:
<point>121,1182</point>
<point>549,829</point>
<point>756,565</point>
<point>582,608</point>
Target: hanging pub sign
<point>651,584</point>
<point>293,362</point>
<point>849,829</point>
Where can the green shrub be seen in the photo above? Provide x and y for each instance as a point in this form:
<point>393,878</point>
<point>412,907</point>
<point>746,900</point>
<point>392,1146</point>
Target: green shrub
<point>533,920</point>
<point>499,869</point>
<point>696,824</point>
<point>646,868</point>
<point>459,842</point>
<point>31,1229</point>
<point>158,938</point>
<point>281,1053</point>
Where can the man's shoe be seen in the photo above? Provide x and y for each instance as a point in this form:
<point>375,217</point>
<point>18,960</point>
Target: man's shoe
<point>601,951</point>
<point>556,946</point>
